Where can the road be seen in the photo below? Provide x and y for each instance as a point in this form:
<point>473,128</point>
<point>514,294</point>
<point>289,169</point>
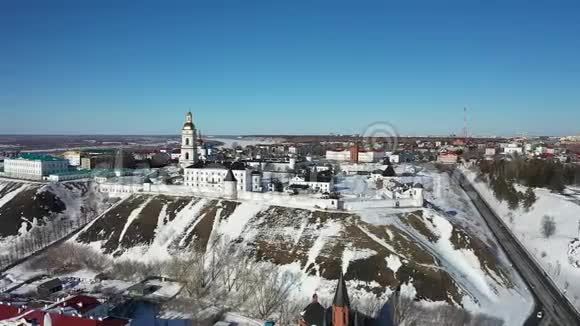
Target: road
<point>555,308</point>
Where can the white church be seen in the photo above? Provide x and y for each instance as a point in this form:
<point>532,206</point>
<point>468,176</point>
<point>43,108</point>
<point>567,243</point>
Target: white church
<point>188,142</point>
<point>225,178</point>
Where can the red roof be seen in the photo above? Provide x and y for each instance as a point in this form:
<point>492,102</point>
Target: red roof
<point>66,320</point>
<point>81,303</point>
<point>7,312</point>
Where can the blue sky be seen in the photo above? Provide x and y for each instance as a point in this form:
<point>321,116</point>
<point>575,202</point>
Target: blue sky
<point>243,67</point>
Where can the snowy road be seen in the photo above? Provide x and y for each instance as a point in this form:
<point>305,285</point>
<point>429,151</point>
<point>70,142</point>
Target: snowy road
<point>551,302</point>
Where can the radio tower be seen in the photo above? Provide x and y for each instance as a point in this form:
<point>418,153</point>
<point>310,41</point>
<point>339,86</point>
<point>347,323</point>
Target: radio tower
<point>465,124</point>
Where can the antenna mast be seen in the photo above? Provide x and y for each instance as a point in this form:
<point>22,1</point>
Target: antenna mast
<point>465,124</point>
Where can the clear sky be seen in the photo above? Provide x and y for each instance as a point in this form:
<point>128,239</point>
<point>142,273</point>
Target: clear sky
<point>242,66</point>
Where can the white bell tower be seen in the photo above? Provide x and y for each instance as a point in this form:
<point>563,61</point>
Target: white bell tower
<point>188,142</point>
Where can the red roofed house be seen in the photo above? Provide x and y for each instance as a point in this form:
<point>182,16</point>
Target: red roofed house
<point>8,311</point>
<point>66,313</point>
<point>80,304</point>
<point>54,319</point>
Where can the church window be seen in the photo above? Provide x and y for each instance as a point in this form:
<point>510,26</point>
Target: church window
<point>186,141</point>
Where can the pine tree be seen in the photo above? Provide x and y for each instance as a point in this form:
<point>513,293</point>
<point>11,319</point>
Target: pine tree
<point>529,198</point>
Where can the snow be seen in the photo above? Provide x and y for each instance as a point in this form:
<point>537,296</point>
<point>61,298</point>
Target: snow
<point>329,230</point>
<point>165,235</point>
<point>166,289</point>
<point>351,254</point>
<point>551,253</point>
<point>490,293</point>
<point>233,226</point>
<point>310,284</point>
<point>132,217</point>
<point>393,263</point>
<point>240,320</point>
<point>457,258</point>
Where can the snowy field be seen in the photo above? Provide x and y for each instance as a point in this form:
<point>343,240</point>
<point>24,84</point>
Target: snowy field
<point>552,253</point>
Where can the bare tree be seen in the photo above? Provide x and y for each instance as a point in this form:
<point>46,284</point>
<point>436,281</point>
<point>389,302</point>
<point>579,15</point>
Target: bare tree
<point>404,310</point>
<point>368,306</point>
<point>289,312</point>
<point>271,289</point>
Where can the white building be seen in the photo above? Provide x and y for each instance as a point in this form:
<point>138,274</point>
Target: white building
<point>447,158</point>
<point>188,142</point>
<point>34,166</point>
<point>70,175</point>
<point>320,186</point>
<point>73,157</point>
<point>370,156</point>
<point>343,155</point>
<point>404,195</point>
<point>394,158</point>
<point>513,149</point>
<point>256,181</point>
<point>264,165</point>
<point>211,177</point>
<point>490,151</point>
<point>321,168</point>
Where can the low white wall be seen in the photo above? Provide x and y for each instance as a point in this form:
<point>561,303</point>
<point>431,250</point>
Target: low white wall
<point>386,203</point>
<point>272,198</point>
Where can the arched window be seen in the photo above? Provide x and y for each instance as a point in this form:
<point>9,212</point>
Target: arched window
<point>186,141</point>
<point>187,156</point>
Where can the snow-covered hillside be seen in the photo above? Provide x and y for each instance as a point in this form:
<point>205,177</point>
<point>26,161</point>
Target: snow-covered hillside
<point>558,253</point>
<point>440,255</point>
<point>25,206</point>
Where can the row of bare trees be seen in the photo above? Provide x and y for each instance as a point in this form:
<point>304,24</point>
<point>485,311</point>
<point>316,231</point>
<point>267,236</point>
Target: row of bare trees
<point>41,234</point>
<point>221,276</point>
<point>224,276</point>
<point>406,311</point>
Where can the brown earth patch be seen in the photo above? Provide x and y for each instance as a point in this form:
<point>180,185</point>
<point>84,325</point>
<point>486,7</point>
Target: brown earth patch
<point>199,236</point>
<point>228,208</point>
<point>142,230</point>
<point>26,206</point>
<point>418,267</point>
<point>9,187</point>
<point>273,243</point>
<point>174,206</point>
<point>108,227</point>
<point>417,221</point>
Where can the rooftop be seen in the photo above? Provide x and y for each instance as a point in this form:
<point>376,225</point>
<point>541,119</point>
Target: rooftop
<point>73,172</point>
<point>38,157</point>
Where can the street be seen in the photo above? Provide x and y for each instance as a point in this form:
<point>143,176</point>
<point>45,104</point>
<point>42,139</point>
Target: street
<point>554,307</point>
